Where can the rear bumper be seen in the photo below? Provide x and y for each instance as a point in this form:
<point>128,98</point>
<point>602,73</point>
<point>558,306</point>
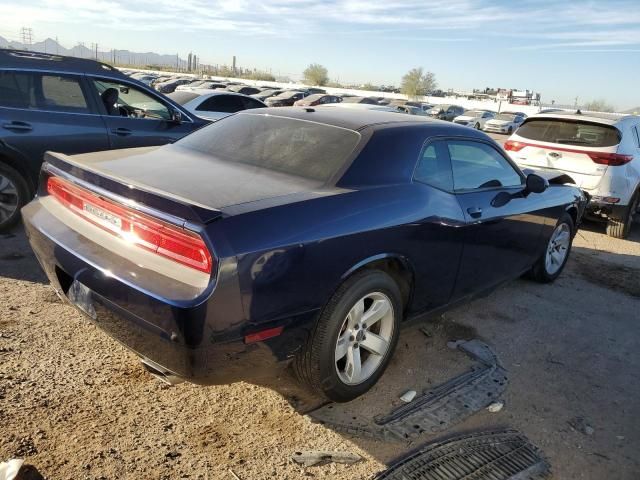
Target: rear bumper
<point>199,340</point>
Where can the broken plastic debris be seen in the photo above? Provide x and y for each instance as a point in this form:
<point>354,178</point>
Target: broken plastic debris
<point>309,458</point>
<point>408,396</point>
<point>9,469</point>
<point>495,407</point>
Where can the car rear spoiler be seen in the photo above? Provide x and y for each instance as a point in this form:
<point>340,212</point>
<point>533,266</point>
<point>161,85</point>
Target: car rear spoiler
<point>62,165</point>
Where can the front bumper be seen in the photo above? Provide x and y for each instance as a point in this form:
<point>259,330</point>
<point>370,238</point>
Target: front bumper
<point>496,129</point>
<point>198,340</point>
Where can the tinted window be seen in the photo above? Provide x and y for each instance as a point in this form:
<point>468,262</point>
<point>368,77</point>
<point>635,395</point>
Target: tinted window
<point>134,102</point>
<point>295,147</point>
<point>222,103</point>
<point>570,132</point>
<point>251,103</point>
<point>478,165</point>
<point>434,167</point>
<point>45,92</point>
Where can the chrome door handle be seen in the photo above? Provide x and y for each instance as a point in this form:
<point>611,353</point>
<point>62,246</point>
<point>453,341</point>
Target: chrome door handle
<point>123,132</point>
<point>17,126</point>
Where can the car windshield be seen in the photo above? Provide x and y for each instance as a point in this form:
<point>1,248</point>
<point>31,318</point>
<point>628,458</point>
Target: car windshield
<point>295,147</point>
<point>570,132</point>
<point>505,116</point>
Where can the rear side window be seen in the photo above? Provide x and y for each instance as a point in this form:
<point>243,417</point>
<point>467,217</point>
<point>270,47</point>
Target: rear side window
<point>478,165</point>
<point>42,92</point>
<point>295,147</point>
<point>570,132</point>
<point>434,167</point>
<point>222,103</point>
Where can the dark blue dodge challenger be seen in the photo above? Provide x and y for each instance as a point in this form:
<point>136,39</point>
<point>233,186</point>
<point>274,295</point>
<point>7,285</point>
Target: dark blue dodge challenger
<point>292,237</point>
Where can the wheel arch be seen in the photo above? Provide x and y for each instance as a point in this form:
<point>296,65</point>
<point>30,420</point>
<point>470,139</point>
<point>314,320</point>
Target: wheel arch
<point>20,167</point>
<point>396,265</point>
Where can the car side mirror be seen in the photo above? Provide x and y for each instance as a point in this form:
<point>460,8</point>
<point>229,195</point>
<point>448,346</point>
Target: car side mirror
<point>536,184</point>
<point>175,115</point>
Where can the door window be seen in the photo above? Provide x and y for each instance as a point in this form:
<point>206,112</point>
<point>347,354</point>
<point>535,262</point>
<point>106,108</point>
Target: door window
<point>124,100</point>
<point>251,103</point>
<point>434,167</point>
<point>222,103</point>
<point>479,165</point>
<point>42,92</point>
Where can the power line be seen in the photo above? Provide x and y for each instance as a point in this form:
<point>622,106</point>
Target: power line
<point>26,34</point>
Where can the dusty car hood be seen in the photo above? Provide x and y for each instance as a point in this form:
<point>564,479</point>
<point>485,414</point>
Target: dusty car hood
<point>190,176</point>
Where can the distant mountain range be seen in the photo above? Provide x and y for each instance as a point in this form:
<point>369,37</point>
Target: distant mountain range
<point>121,57</point>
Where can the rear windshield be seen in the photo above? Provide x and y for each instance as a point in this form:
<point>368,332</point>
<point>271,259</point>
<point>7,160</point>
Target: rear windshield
<point>182,97</point>
<point>570,132</point>
<point>295,147</point>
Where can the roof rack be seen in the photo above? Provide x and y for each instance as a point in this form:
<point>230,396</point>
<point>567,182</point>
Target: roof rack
<point>10,58</point>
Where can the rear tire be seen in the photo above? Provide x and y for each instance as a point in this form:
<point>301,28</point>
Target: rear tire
<point>339,337</point>
<point>619,227</point>
<point>556,253</point>
<point>477,126</point>
<point>14,194</point>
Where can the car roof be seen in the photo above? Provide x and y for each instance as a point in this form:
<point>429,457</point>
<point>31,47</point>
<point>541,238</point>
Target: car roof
<point>24,59</point>
<point>203,93</point>
<point>606,118</point>
<point>352,119</point>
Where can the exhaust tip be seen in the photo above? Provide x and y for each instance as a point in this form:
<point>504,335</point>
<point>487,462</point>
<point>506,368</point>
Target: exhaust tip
<point>161,373</point>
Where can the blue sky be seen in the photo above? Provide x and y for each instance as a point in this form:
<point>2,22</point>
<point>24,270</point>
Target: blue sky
<point>569,49</point>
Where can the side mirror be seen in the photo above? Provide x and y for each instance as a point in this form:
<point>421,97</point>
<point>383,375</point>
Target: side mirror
<point>536,184</point>
<point>176,115</point>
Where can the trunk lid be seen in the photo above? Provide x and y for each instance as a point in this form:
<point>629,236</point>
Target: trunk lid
<point>192,185</point>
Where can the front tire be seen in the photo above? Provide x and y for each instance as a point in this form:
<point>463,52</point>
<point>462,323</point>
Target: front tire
<point>620,226</point>
<point>14,194</point>
<point>556,253</point>
<point>354,337</point>
<point>477,126</point>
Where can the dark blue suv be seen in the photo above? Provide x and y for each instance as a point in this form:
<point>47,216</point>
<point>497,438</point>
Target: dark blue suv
<point>72,105</point>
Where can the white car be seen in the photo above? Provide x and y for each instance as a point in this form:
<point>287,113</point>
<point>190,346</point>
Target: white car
<point>214,105</point>
<point>474,118</point>
<point>504,123</point>
<point>600,152</point>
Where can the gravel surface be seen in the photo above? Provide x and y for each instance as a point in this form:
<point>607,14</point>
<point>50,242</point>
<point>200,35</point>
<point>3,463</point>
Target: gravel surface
<point>76,405</point>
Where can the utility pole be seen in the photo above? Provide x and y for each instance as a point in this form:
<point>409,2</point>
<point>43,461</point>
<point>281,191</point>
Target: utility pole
<point>27,37</point>
<point>57,46</point>
<point>94,47</point>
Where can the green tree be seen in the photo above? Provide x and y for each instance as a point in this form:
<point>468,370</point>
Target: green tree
<point>417,82</point>
<point>598,106</point>
<point>316,74</point>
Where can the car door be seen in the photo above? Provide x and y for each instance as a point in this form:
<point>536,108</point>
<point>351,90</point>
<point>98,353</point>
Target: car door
<point>501,233</point>
<point>47,111</point>
<point>437,237</point>
<point>142,117</point>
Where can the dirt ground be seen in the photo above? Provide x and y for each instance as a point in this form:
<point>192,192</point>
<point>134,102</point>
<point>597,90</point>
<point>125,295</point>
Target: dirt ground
<point>76,405</point>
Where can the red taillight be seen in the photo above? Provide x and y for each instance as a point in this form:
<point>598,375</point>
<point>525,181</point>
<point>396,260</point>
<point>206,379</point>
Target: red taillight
<point>602,158</point>
<point>167,240</point>
<point>514,146</point>
<point>611,159</point>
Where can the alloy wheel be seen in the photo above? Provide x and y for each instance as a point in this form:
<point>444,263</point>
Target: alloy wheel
<point>364,338</point>
<point>558,248</point>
